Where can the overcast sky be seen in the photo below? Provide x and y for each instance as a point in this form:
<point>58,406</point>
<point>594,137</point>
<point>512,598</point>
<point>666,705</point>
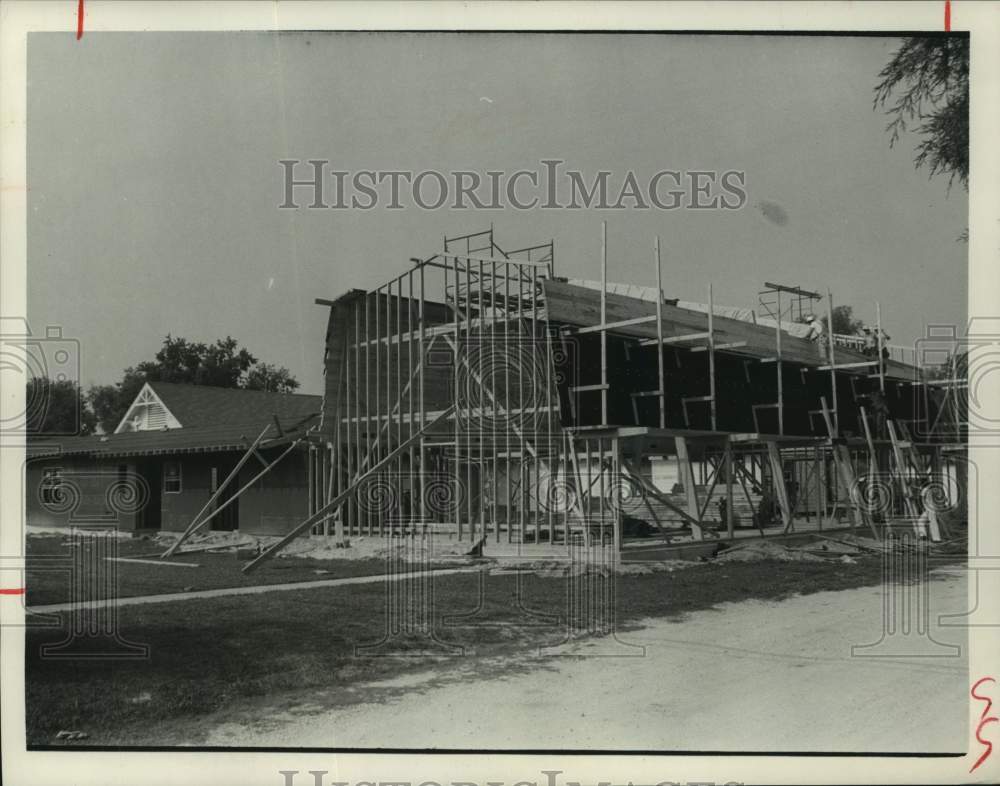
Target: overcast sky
<point>154,178</point>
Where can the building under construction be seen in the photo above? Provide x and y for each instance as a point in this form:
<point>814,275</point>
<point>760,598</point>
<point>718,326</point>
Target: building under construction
<point>479,397</point>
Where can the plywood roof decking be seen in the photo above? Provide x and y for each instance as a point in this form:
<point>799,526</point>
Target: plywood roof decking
<point>735,312</point>
<point>574,305</point>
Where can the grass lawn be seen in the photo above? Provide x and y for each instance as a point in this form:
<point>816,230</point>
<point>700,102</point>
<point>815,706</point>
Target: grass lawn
<point>209,653</point>
<point>45,586</point>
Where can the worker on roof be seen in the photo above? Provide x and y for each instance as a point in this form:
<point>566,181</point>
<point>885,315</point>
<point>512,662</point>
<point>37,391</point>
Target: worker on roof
<point>871,343</point>
<point>815,328</point>
<point>815,333</point>
<point>885,344</point>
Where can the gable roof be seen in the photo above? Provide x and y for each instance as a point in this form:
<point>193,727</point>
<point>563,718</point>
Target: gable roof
<point>209,439</point>
<point>210,418</point>
<point>147,413</point>
<point>205,406</point>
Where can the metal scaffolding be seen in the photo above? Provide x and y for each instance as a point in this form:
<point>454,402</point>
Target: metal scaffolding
<point>455,408</point>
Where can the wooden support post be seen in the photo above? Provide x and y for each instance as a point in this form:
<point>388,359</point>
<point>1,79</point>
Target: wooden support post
<point>686,472</point>
<point>246,486</point>
<point>842,458</point>
<point>833,363</point>
<point>420,405</point>
<point>659,336</point>
<point>820,473</point>
<point>912,509</point>
<point>196,521</point>
<point>779,368</point>
<point>872,462</point>
<point>710,490</point>
<point>604,321</point>
<point>311,478</point>
<point>331,507</point>
<point>616,513</point>
<point>369,300</point>
<point>711,357</point>
<point>778,481</point>
<point>741,473</point>
<point>656,494</point>
<point>730,514</point>
<point>878,346</point>
<point>845,469</point>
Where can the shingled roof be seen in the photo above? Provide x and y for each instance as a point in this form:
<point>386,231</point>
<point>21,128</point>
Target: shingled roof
<point>168,441</point>
<point>211,418</point>
<point>196,406</point>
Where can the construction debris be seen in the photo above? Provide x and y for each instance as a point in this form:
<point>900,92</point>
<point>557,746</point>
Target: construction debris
<point>559,568</point>
<point>767,550</point>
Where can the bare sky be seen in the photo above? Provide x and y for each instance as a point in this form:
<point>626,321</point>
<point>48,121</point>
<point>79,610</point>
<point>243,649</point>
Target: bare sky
<point>154,183</point>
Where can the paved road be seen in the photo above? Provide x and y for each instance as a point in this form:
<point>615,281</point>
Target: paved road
<point>752,676</point>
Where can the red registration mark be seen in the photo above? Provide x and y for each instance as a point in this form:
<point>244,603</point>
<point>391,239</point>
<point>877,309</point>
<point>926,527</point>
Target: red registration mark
<point>984,719</point>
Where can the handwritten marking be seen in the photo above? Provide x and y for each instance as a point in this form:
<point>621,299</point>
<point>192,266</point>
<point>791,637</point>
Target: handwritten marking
<point>947,15</point>
<point>984,719</point>
<point>12,591</point>
<point>79,20</point>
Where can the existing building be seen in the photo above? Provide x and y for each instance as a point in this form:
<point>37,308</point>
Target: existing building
<point>171,451</point>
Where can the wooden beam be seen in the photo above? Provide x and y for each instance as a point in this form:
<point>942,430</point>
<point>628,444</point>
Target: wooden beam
<point>718,347</point>
<point>246,486</point>
<point>687,479</point>
<point>730,513</point>
<point>195,521</point>
<point>674,339</point>
<point>604,321</point>
<point>611,326</point>
<point>840,366</point>
<point>498,260</point>
<point>842,461</point>
<point>833,363</point>
<point>662,392</point>
<point>711,357</point>
<point>656,494</point>
<point>780,371</point>
<point>778,480</point>
<point>331,507</point>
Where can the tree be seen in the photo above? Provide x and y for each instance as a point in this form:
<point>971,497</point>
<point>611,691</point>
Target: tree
<point>843,321</point>
<point>104,402</point>
<point>57,408</point>
<point>928,78</point>
<point>266,376</point>
<point>223,364</point>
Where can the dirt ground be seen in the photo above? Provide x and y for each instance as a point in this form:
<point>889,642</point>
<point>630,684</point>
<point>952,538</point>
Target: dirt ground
<point>747,676</point>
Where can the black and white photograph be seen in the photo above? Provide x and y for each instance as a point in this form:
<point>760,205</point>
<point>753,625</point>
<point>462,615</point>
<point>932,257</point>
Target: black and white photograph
<point>441,387</point>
